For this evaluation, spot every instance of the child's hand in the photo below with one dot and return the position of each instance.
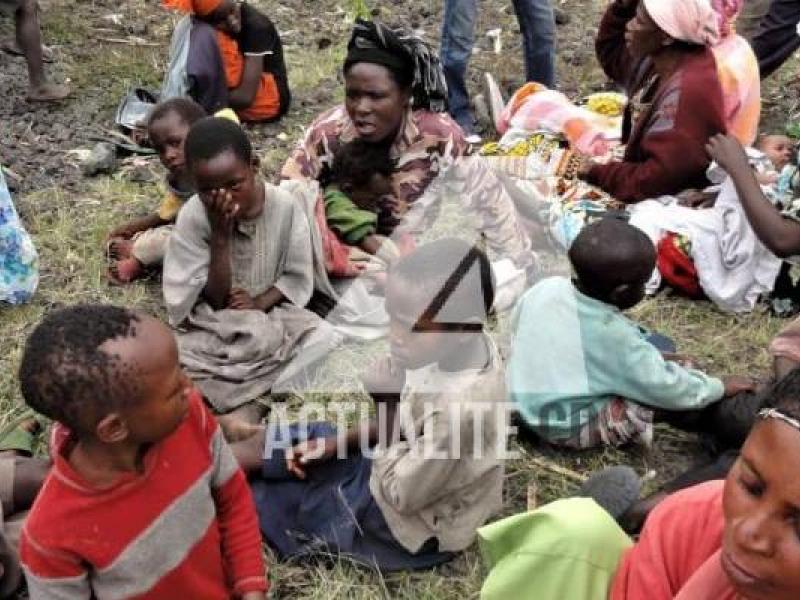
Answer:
(239, 299)
(736, 385)
(728, 153)
(305, 454)
(384, 380)
(221, 210)
(254, 596)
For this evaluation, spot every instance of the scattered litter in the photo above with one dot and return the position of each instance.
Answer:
(102, 160)
(114, 18)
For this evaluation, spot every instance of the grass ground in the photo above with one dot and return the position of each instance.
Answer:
(69, 227)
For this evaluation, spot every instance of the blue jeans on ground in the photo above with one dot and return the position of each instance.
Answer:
(538, 28)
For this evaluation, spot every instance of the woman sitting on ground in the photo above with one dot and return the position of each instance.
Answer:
(721, 540)
(395, 98)
(660, 51)
(235, 59)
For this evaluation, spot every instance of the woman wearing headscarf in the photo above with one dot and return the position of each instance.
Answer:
(235, 59)
(660, 51)
(395, 98)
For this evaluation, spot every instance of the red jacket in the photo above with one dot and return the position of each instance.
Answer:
(665, 152)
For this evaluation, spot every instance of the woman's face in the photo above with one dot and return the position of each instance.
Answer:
(374, 101)
(761, 502)
(642, 36)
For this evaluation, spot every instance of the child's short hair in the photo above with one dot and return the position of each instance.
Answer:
(611, 252)
(454, 281)
(357, 162)
(64, 374)
(186, 108)
(211, 136)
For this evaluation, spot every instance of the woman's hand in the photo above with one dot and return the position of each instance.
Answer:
(728, 154)
(308, 453)
(384, 380)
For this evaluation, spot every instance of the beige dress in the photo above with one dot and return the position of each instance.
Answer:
(235, 356)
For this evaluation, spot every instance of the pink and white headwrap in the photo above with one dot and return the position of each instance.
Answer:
(686, 20)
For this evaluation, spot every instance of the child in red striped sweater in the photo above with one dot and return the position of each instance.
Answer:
(144, 499)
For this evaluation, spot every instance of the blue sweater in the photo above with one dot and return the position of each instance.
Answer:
(572, 354)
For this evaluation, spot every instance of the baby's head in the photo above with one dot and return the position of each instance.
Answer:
(167, 127)
(613, 261)
(219, 157)
(363, 172)
(109, 374)
(761, 502)
(778, 148)
(438, 299)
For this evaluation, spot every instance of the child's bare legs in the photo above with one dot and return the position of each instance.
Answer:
(29, 38)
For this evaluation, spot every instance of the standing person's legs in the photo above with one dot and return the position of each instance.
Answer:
(777, 36)
(29, 39)
(458, 38)
(538, 26)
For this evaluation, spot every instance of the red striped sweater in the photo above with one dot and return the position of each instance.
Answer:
(184, 528)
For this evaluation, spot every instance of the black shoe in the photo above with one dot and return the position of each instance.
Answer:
(615, 489)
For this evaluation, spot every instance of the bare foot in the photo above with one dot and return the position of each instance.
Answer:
(120, 249)
(125, 271)
(48, 92)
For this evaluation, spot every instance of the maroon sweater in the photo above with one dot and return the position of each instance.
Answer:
(665, 152)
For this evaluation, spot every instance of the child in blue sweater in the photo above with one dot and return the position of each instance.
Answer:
(581, 373)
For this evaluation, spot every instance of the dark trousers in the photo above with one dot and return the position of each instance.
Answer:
(724, 425)
(777, 38)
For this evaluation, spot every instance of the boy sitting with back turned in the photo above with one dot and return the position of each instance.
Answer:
(144, 499)
(584, 375)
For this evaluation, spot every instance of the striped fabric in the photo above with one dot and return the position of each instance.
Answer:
(185, 527)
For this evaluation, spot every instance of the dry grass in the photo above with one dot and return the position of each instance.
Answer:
(69, 230)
